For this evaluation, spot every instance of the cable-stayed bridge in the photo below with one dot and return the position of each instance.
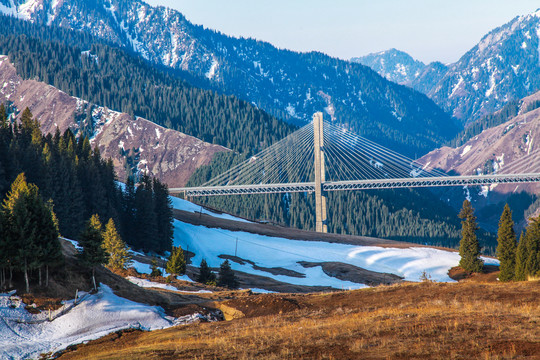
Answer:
(322, 157)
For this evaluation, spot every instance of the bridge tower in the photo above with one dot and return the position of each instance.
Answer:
(320, 198)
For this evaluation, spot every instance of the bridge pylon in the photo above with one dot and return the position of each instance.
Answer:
(320, 198)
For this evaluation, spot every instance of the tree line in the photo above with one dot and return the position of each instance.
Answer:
(519, 261)
(79, 183)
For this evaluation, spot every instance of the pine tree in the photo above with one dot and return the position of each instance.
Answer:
(91, 239)
(118, 251)
(521, 259)
(155, 269)
(206, 276)
(532, 236)
(164, 215)
(145, 217)
(226, 276)
(469, 248)
(506, 248)
(30, 229)
(3, 116)
(176, 265)
(20, 231)
(52, 249)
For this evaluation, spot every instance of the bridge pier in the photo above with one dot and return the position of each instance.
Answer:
(320, 198)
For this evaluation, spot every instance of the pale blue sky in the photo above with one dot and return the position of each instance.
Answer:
(429, 30)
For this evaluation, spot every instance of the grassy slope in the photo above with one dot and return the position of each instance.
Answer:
(423, 320)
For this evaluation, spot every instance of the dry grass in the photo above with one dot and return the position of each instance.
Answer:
(421, 321)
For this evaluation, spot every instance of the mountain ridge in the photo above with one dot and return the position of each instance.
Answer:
(503, 66)
(284, 83)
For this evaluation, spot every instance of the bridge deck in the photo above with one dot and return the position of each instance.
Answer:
(359, 184)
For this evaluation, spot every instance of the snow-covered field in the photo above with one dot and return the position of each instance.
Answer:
(264, 251)
(95, 316)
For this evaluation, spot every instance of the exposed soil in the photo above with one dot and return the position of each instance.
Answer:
(490, 273)
(272, 270)
(353, 273)
(466, 320)
(246, 280)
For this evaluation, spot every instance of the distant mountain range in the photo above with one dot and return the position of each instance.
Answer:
(395, 65)
(503, 66)
(284, 83)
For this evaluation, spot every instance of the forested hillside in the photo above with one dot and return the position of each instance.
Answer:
(80, 183)
(112, 77)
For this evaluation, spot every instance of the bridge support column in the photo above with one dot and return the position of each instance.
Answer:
(320, 199)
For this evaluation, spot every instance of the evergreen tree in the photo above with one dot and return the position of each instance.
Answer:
(469, 248)
(29, 229)
(532, 241)
(506, 248)
(20, 231)
(118, 251)
(164, 215)
(128, 212)
(91, 240)
(52, 253)
(521, 259)
(145, 217)
(176, 265)
(155, 269)
(4, 252)
(206, 276)
(3, 116)
(226, 276)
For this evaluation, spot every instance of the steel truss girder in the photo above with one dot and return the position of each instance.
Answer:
(478, 180)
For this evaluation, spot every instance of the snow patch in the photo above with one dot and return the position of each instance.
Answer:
(499, 163)
(266, 251)
(466, 149)
(212, 71)
(457, 86)
(484, 191)
(150, 284)
(290, 110)
(91, 318)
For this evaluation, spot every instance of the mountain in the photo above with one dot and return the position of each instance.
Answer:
(502, 67)
(285, 83)
(496, 148)
(509, 147)
(170, 155)
(394, 65)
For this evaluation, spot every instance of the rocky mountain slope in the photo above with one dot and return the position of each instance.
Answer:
(503, 66)
(167, 154)
(285, 83)
(511, 147)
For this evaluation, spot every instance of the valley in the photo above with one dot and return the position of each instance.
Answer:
(111, 110)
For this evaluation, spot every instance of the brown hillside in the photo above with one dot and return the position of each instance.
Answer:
(167, 154)
(409, 321)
